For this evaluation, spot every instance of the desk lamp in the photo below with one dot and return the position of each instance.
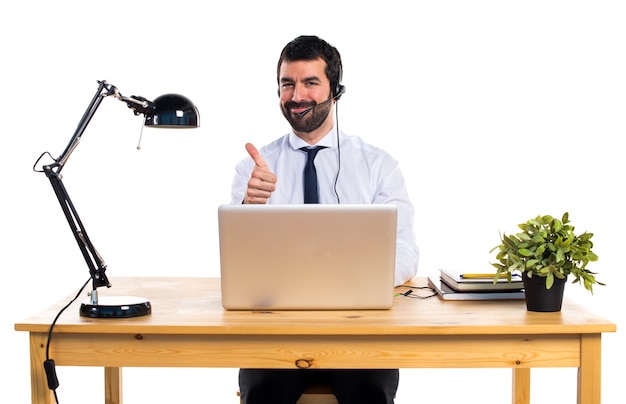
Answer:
(166, 111)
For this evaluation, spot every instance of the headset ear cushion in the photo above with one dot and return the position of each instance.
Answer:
(339, 91)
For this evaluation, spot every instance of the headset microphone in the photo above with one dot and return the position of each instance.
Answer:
(334, 97)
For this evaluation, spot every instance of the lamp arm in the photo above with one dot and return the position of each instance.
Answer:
(139, 105)
(104, 90)
(96, 264)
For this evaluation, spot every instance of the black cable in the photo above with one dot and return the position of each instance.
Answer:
(338, 153)
(48, 364)
(409, 293)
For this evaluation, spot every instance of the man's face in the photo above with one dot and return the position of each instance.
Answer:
(302, 85)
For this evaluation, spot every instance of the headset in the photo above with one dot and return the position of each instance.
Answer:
(338, 88)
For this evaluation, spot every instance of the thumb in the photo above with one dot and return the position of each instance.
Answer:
(255, 155)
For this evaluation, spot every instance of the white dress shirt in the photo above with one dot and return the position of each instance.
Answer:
(364, 174)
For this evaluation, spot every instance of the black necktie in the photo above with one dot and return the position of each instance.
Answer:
(310, 175)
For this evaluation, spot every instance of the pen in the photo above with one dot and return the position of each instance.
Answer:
(470, 276)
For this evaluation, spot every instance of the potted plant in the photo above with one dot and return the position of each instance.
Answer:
(545, 253)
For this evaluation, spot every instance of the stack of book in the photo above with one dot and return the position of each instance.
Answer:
(460, 285)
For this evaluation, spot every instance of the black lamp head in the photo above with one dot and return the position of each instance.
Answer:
(173, 111)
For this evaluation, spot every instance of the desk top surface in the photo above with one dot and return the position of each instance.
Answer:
(193, 306)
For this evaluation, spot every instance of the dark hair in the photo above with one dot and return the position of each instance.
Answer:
(310, 47)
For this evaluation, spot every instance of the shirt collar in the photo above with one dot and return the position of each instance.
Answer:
(329, 140)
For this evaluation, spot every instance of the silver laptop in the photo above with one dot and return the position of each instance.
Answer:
(307, 257)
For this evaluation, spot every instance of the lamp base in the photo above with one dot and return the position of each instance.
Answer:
(116, 307)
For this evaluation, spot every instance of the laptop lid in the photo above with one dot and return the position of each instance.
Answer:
(307, 257)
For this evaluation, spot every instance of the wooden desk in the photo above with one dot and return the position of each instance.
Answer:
(189, 328)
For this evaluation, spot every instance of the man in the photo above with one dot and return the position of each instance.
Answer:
(348, 171)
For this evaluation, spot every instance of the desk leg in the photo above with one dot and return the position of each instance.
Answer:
(40, 393)
(589, 372)
(113, 385)
(521, 386)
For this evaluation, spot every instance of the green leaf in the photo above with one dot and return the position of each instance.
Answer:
(560, 255)
(547, 219)
(531, 263)
(540, 250)
(525, 252)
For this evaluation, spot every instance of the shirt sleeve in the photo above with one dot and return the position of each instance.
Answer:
(240, 181)
(392, 189)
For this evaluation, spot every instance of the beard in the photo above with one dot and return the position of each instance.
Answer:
(311, 120)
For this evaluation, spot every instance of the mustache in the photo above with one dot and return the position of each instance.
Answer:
(292, 104)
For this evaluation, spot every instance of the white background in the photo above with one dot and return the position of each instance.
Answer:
(497, 111)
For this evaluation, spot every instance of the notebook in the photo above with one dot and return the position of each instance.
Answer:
(307, 257)
(445, 292)
(471, 281)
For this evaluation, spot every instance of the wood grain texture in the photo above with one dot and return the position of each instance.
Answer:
(193, 306)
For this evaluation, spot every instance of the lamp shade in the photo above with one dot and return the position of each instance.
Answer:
(173, 111)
